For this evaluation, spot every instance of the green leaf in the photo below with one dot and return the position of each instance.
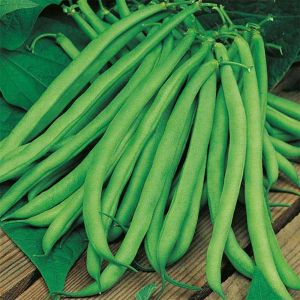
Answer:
(8, 6)
(16, 26)
(282, 31)
(55, 267)
(260, 289)
(146, 292)
(29, 74)
(9, 117)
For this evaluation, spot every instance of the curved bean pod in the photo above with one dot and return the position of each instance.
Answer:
(254, 188)
(233, 174)
(75, 76)
(287, 150)
(288, 107)
(283, 122)
(109, 142)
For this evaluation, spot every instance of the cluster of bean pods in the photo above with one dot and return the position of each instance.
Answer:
(154, 118)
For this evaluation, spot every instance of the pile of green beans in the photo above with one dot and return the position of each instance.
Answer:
(153, 119)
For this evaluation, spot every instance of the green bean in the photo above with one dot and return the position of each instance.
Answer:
(283, 122)
(140, 172)
(287, 274)
(110, 140)
(96, 22)
(164, 98)
(107, 14)
(84, 137)
(254, 188)
(287, 150)
(152, 236)
(67, 45)
(280, 134)
(233, 174)
(121, 173)
(123, 8)
(88, 30)
(76, 75)
(189, 226)
(63, 41)
(45, 218)
(138, 178)
(47, 182)
(215, 176)
(269, 158)
(107, 98)
(260, 64)
(287, 107)
(93, 263)
(194, 162)
(63, 221)
(112, 273)
(57, 131)
(168, 46)
(286, 167)
(89, 98)
(157, 176)
(68, 185)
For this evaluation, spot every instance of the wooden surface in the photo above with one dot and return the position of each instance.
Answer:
(20, 280)
(236, 286)
(17, 273)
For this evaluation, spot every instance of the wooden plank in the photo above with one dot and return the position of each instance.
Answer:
(16, 270)
(236, 286)
(190, 269)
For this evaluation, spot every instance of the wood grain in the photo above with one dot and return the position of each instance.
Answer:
(190, 269)
(236, 286)
(16, 270)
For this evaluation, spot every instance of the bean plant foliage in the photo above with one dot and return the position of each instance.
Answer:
(260, 289)
(25, 75)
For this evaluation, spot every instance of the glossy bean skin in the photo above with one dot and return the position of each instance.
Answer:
(45, 218)
(189, 226)
(93, 19)
(68, 185)
(287, 168)
(283, 122)
(168, 92)
(90, 100)
(113, 272)
(260, 64)
(123, 170)
(285, 149)
(233, 172)
(287, 107)
(269, 159)
(93, 260)
(109, 142)
(254, 189)
(47, 182)
(152, 236)
(160, 168)
(62, 222)
(193, 165)
(216, 162)
(73, 180)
